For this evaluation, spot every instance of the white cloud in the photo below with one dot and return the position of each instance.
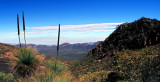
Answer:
(82, 28)
(45, 27)
(69, 33)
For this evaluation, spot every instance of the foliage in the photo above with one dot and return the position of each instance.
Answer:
(101, 76)
(90, 65)
(57, 67)
(55, 72)
(94, 77)
(7, 77)
(123, 52)
(140, 64)
(48, 77)
(53, 77)
(114, 77)
(132, 65)
(26, 62)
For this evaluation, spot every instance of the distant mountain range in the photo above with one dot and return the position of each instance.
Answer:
(67, 51)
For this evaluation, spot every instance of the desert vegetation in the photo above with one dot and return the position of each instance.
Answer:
(25, 62)
(28, 66)
(7, 77)
(131, 53)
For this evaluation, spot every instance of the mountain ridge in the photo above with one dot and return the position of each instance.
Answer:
(142, 34)
(135, 35)
(67, 51)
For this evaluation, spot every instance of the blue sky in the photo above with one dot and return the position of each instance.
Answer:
(81, 20)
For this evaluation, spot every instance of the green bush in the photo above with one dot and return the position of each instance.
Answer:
(7, 77)
(56, 67)
(55, 72)
(25, 62)
(48, 77)
(94, 77)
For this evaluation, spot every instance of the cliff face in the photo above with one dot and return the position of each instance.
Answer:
(135, 35)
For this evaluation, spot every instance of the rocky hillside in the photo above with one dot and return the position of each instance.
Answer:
(135, 35)
(5, 53)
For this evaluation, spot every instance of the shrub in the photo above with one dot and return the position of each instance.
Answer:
(114, 77)
(142, 65)
(55, 72)
(56, 67)
(94, 77)
(7, 77)
(25, 62)
(48, 77)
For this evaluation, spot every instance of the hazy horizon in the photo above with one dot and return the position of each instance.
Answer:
(91, 43)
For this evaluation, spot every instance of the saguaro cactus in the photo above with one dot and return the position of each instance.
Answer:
(24, 30)
(18, 30)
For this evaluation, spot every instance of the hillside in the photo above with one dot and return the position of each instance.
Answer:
(67, 51)
(5, 53)
(14, 64)
(135, 35)
(141, 65)
(128, 36)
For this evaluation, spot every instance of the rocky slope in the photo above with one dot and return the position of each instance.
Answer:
(5, 53)
(135, 35)
(142, 33)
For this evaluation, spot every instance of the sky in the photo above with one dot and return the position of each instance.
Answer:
(81, 20)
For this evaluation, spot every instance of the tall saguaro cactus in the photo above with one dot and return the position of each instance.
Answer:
(58, 43)
(18, 30)
(24, 30)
